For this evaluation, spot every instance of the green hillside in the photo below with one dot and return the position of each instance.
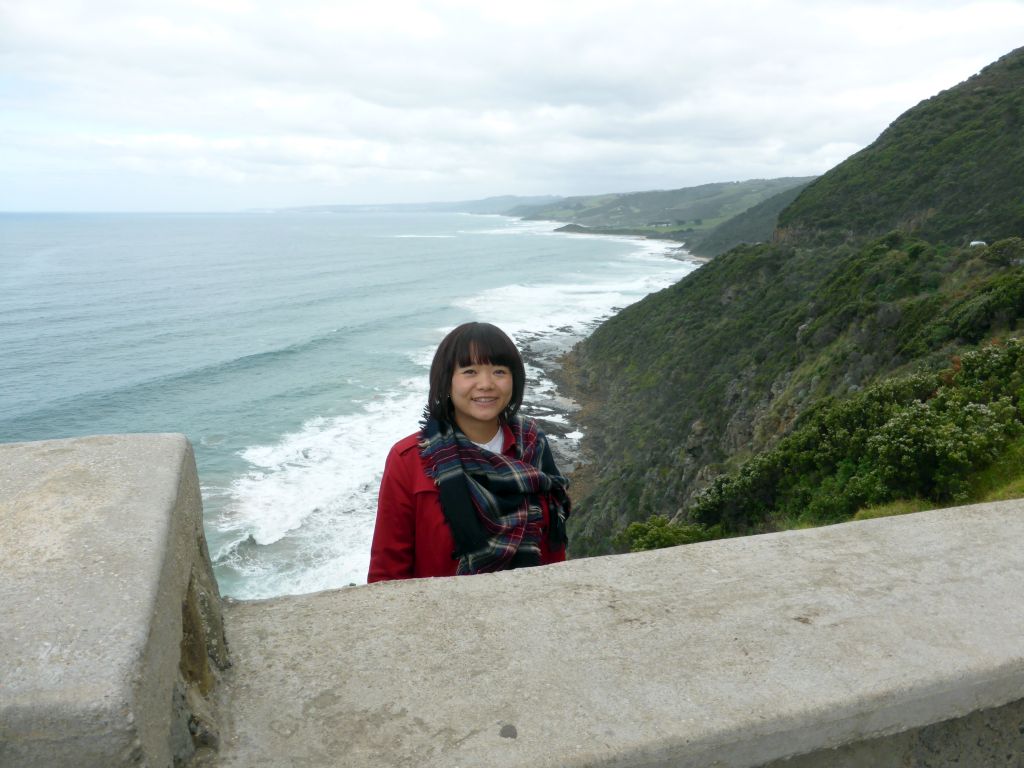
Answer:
(731, 379)
(681, 214)
(949, 170)
(754, 225)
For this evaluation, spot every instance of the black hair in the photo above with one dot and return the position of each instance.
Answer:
(472, 344)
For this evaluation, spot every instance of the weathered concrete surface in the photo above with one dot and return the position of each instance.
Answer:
(991, 738)
(101, 556)
(729, 653)
(890, 642)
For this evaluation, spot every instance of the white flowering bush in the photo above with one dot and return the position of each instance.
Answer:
(929, 448)
(916, 436)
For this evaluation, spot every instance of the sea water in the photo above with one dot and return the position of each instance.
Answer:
(291, 348)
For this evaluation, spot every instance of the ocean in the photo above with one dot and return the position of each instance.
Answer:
(291, 348)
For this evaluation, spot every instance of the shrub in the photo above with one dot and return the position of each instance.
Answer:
(657, 532)
(919, 436)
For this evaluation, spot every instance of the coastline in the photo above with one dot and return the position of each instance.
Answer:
(553, 397)
(554, 411)
(674, 253)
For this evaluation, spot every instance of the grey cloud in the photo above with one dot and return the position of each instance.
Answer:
(386, 101)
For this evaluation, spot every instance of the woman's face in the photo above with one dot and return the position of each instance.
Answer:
(479, 394)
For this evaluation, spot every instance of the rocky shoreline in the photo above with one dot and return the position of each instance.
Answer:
(553, 396)
(546, 400)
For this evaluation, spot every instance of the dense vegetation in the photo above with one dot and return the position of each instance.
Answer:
(950, 169)
(921, 436)
(754, 225)
(741, 378)
(688, 215)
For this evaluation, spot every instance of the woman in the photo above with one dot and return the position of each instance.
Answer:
(476, 490)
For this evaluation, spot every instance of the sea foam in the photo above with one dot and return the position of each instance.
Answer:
(301, 518)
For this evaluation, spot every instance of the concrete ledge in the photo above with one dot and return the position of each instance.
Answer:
(989, 738)
(730, 653)
(110, 612)
(890, 642)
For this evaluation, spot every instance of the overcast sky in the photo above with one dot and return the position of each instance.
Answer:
(189, 105)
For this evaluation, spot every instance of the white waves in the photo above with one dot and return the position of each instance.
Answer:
(301, 519)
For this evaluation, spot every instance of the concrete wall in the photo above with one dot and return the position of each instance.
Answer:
(989, 738)
(728, 653)
(894, 642)
(109, 615)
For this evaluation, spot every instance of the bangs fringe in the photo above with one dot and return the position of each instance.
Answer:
(482, 348)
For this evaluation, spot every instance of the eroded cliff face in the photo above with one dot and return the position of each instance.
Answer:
(610, 493)
(676, 388)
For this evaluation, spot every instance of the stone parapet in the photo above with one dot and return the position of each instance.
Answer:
(109, 614)
(876, 644)
(890, 642)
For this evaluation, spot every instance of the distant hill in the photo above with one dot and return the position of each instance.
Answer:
(686, 214)
(761, 378)
(500, 205)
(754, 225)
(709, 219)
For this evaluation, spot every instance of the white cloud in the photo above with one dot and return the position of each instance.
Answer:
(316, 102)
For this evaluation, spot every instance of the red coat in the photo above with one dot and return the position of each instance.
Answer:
(412, 539)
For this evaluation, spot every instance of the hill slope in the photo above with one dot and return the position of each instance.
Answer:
(691, 382)
(684, 214)
(754, 225)
(948, 170)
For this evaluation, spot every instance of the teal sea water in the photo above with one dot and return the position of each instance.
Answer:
(291, 348)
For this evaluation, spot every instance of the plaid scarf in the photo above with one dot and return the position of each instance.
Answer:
(492, 501)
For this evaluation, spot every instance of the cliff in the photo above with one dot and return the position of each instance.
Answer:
(692, 382)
